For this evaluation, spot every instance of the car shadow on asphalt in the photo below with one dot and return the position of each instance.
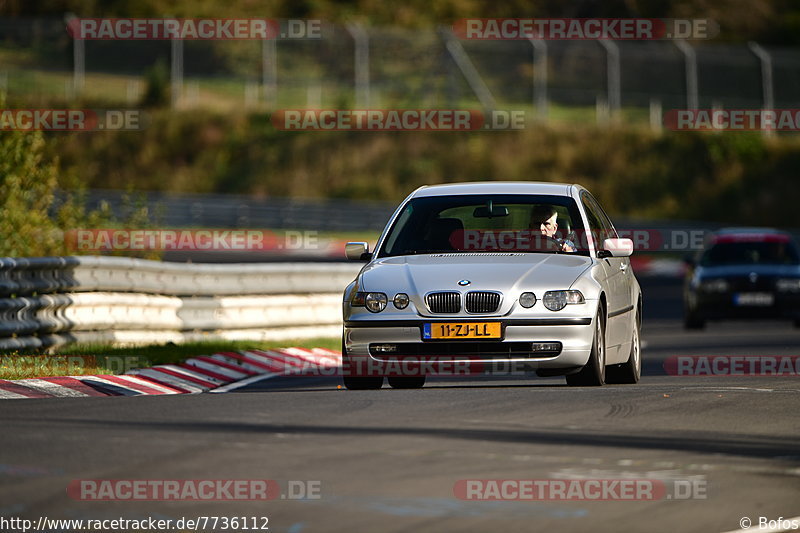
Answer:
(706, 442)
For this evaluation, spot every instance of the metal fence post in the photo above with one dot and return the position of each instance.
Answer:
(269, 71)
(540, 78)
(614, 89)
(692, 96)
(176, 73)
(361, 43)
(656, 117)
(466, 67)
(78, 59)
(767, 90)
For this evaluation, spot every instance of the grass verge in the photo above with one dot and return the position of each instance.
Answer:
(88, 359)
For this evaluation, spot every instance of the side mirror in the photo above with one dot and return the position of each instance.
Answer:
(616, 248)
(357, 251)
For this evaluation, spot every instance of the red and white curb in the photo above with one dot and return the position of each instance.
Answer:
(220, 372)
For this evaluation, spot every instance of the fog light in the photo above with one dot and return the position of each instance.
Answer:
(527, 300)
(385, 348)
(400, 300)
(546, 347)
(715, 285)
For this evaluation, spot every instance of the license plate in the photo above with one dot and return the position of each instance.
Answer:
(754, 298)
(461, 330)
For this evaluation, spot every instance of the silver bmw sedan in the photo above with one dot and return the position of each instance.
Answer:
(471, 277)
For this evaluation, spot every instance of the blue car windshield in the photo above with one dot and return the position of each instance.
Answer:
(486, 223)
(778, 252)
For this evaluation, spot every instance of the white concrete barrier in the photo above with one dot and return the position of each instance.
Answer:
(55, 300)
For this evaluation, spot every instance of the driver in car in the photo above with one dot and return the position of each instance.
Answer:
(545, 219)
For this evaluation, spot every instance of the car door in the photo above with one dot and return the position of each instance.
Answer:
(616, 270)
(627, 284)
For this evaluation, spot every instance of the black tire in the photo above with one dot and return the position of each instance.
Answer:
(416, 382)
(362, 383)
(630, 371)
(692, 322)
(359, 382)
(593, 374)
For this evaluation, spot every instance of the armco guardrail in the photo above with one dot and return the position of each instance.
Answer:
(47, 301)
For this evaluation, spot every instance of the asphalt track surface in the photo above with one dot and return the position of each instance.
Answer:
(389, 460)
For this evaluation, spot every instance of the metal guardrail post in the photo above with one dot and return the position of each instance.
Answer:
(690, 57)
(540, 78)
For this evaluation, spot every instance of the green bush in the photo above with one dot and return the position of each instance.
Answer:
(32, 222)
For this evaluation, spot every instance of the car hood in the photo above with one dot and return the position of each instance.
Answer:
(506, 272)
(746, 270)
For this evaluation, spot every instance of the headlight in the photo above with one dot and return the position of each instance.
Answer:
(375, 302)
(788, 285)
(558, 300)
(527, 300)
(714, 285)
(400, 300)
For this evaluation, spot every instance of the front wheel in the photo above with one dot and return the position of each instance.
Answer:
(692, 322)
(416, 382)
(630, 371)
(690, 318)
(593, 374)
(357, 382)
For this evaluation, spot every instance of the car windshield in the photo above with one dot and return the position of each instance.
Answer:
(778, 252)
(485, 223)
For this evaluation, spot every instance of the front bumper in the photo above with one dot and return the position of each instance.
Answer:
(574, 334)
(723, 305)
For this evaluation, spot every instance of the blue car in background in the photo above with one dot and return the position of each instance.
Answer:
(744, 273)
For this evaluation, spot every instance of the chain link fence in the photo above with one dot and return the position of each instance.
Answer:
(361, 67)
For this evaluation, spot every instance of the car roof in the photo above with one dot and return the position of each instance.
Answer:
(496, 187)
(727, 235)
(750, 231)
